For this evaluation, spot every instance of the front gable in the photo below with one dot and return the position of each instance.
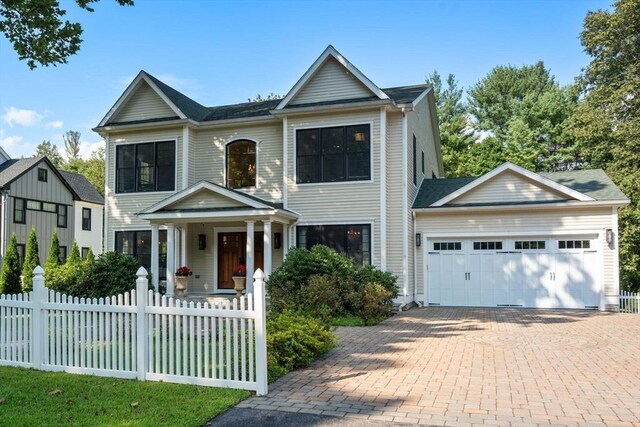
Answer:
(331, 78)
(144, 104)
(205, 199)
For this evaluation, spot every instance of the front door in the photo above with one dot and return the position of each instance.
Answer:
(232, 248)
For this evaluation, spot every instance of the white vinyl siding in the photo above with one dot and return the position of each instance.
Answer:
(208, 148)
(420, 123)
(344, 202)
(530, 222)
(508, 187)
(145, 104)
(331, 82)
(123, 207)
(394, 194)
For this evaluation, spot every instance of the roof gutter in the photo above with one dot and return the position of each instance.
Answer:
(573, 204)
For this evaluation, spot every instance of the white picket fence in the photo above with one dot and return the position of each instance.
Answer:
(140, 334)
(629, 302)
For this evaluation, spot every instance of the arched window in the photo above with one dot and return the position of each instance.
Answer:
(241, 164)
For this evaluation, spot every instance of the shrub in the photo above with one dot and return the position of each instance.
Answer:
(113, 273)
(10, 282)
(294, 341)
(326, 284)
(31, 261)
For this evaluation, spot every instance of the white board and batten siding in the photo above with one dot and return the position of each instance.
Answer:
(331, 82)
(550, 225)
(207, 154)
(122, 207)
(353, 202)
(144, 105)
(52, 191)
(138, 334)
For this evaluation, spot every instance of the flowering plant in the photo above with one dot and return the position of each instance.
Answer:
(240, 270)
(184, 271)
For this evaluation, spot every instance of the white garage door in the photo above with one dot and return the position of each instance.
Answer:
(539, 272)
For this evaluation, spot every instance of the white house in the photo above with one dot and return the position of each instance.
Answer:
(342, 162)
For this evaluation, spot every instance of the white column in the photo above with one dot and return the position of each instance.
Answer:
(171, 259)
(155, 246)
(183, 245)
(285, 240)
(249, 262)
(267, 248)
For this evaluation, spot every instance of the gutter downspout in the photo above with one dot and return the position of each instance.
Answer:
(3, 224)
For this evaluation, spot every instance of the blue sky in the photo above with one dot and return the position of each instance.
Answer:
(223, 52)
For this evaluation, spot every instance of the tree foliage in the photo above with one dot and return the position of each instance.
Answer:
(31, 261)
(456, 134)
(72, 145)
(607, 121)
(10, 282)
(38, 31)
(46, 148)
(271, 97)
(53, 257)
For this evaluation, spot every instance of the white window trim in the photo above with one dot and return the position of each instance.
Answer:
(331, 124)
(257, 142)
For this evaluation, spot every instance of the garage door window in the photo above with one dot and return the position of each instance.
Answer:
(487, 246)
(530, 244)
(574, 244)
(447, 246)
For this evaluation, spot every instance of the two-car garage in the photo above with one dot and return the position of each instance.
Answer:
(514, 238)
(531, 271)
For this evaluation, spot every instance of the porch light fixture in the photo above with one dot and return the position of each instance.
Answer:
(609, 236)
(418, 239)
(277, 240)
(202, 241)
(359, 136)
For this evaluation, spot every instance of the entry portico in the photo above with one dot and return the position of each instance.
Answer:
(212, 228)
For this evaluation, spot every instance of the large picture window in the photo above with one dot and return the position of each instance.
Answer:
(352, 240)
(333, 154)
(145, 167)
(241, 164)
(138, 245)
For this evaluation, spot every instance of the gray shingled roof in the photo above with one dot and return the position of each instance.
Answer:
(199, 113)
(13, 168)
(81, 185)
(591, 182)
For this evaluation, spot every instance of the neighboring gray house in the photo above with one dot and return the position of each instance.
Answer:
(34, 193)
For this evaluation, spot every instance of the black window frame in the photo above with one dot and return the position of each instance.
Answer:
(159, 167)
(62, 215)
(21, 249)
(64, 253)
(84, 251)
(228, 180)
(415, 160)
(447, 246)
(422, 162)
(323, 236)
(339, 158)
(86, 222)
(533, 245)
(43, 175)
(141, 257)
(16, 202)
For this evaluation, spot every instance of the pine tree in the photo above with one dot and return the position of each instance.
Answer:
(53, 258)
(90, 259)
(74, 256)
(31, 261)
(10, 276)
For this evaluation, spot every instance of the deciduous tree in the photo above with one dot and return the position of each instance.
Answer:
(46, 148)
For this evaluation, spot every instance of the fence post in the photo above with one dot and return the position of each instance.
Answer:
(261, 333)
(142, 290)
(38, 327)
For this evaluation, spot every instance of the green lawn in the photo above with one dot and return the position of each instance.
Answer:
(29, 397)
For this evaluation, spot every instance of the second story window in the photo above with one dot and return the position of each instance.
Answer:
(19, 214)
(42, 175)
(145, 167)
(86, 219)
(241, 164)
(62, 216)
(333, 154)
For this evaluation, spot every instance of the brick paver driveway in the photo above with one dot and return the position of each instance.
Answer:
(454, 366)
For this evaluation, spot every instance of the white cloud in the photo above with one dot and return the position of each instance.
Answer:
(8, 142)
(56, 124)
(21, 117)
